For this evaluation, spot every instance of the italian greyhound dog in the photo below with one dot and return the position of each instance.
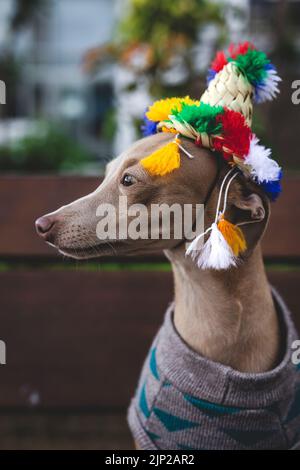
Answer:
(225, 323)
(216, 312)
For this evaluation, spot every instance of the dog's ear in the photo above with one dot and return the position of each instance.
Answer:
(249, 207)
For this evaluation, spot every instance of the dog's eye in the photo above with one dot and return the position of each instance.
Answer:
(128, 180)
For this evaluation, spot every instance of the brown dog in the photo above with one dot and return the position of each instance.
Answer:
(227, 316)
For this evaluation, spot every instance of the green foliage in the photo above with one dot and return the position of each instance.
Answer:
(202, 118)
(89, 266)
(165, 29)
(47, 150)
(109, 124)
(152, 35)
(150, 21)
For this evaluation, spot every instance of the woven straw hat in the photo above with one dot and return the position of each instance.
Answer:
(230, 88)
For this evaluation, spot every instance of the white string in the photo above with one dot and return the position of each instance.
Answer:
(223, 182)
(204, 233)
(188, 154)
(248, 222)
(220, 192)
(226, 192)
(219, 202)
(221, 188)
(225, 203)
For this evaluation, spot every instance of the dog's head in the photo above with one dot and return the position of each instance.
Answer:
(73, 229)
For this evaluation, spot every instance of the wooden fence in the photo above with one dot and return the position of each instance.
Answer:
(76, 338)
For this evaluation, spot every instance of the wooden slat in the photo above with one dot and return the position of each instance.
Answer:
(65, 430)
(283, 233)
(83, 345)
(23, 199)
(287, 283)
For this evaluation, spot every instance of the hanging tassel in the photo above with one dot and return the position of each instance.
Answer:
(196, 245)
(164, 160)
(233, 235)
(215, 254)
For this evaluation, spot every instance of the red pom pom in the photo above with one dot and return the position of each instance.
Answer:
(219, 61)
(236, 134)
(240, 49)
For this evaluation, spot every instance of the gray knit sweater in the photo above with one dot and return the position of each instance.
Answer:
(185, 401)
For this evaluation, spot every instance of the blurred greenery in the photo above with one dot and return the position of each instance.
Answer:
(109, 266)
(151, 35)
(47, 149)
(70, 265)
(155, 22)
(109, 124)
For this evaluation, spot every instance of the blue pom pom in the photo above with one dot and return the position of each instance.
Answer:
(269, 66)
(211, 75)
(272, 188)
(148, 127)
(258, 87)
(267, 88)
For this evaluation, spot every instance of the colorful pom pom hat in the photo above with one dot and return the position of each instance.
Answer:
(221, 121)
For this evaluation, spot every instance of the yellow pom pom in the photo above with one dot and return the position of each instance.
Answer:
(163, 160)
(169, 129)
(161, 109)
(233, 235)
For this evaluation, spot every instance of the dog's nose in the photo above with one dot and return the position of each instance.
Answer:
(44, 226)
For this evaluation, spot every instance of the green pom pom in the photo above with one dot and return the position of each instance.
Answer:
(201, 117)
(252, 64)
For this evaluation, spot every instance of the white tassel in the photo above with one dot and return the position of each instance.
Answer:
(269, 88)
(263, 168)
(215, 254)
(196, 245)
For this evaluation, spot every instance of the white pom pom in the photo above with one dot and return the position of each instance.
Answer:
(215, 253)
(263, 168)
(269, 88)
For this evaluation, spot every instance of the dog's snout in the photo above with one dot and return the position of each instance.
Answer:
(44, 226)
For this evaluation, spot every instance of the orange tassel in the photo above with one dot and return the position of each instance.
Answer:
(164, 160)
(233, 235)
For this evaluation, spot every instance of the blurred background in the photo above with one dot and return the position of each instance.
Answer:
(78, 76)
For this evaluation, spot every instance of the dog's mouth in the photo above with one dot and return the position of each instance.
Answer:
(104, 248)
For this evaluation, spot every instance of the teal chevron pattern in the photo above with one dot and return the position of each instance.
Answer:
(173, 423)
(152, 435)
(167, 384)
(153, 364)
(248, 438)
(143, 402)
(212, 410)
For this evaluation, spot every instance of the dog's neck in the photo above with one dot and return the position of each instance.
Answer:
(227, 316)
